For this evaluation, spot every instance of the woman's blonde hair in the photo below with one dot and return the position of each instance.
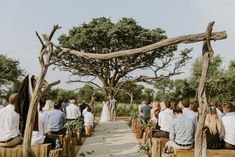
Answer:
(212, 121)
(49, 105)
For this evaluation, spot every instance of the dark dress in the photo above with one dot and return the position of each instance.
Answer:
(213, 140)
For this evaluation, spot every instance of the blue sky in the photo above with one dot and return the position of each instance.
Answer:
(20, 19)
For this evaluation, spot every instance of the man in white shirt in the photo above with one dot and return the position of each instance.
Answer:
(164, 121)
(228, 122)
(88, 122)
(9, 122)
(72, 111)
(184, 105)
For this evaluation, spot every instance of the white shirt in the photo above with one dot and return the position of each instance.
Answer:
(88, 119)
(190, 114)
(9, 123)
(84, 111)
(219, 113)
(43, 122)
(38, 137)
(72, 111)
(228, 122)
(1, 106)
(165, 118)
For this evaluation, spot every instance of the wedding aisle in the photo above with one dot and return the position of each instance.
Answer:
(110, 139)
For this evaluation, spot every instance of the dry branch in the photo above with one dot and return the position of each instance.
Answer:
(191, 38)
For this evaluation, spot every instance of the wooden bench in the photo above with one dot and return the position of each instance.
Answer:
(210, 153)
(158, 145)
(39, 150)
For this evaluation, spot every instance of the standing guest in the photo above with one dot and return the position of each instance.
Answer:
(88, 122)
(56, 120)
(140, 108)
(228, 122)
(9, 120)
(181, 131)
(164, 121)
(1, 105)
(214, 129)
(146, 111)
(113, 106)
(73, 111)
(184, 105)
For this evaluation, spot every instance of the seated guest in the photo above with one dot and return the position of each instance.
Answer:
(72, 111)
(214, 129)
(40, 137)
(184, 105)
(173, 104)
(83, 106)
(215, 104)
(228, 122)
(9, 121)
(85, 110)
(164, 121)
(56, 120)
(146, 111)
(181, 131)
(88, 122)
(155, 112)
(194, 107)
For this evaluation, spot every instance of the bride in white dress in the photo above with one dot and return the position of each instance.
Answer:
(105, 114)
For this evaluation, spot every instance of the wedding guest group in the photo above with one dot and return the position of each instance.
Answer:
(50, 121)
(178, 122)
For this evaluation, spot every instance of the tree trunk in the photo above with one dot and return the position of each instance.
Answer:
(207, 52)
(27, 151)
(41, 87)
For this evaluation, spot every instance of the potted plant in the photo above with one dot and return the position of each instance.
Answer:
(133, 120)
(69, 125)
(144, 148)
(147, 127)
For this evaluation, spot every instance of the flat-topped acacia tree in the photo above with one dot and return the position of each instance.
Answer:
(101, 36)
(45, 61)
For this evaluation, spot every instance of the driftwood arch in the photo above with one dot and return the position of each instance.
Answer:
(45, 61)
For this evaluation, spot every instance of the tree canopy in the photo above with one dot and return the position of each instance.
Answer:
(102, 36)
(10, 73)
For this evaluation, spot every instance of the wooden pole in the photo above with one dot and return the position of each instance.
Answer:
(207, 53)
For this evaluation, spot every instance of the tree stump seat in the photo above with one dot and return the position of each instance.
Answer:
(69, 146)
(41, 150)
(158, 145)
(210, 153)
(56, 153)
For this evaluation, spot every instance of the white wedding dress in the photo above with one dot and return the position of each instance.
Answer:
(105, 114)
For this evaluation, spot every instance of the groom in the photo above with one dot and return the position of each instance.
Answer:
(113, 106)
